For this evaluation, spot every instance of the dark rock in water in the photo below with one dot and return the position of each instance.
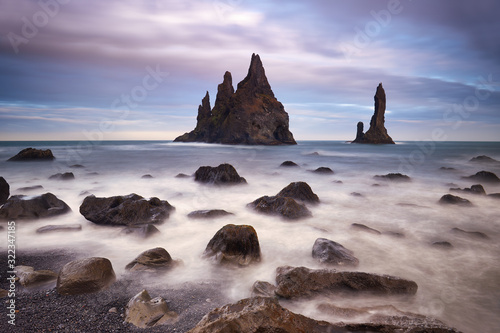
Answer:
(314, 154)
(471, 234)
(30, 188)
(141, 230)
(224, 174)
(356, 194)
(182, 175)
(63, 176)
(483, 159)
(157, 259)
(338, 182)
(148, 176)
(145, 312)
(263, 288)
(32, 154)
(296, 282)
(362, 227)
(442, 244)
(76, 166)
(234, 244)
(395, 177)
(330, 252)
(289, 164)
(252, 115)
(474, 189)
(324, 171)
(59, 228)
(208, 214)
(4, 191)
(494, 195)
(377, 133)
(449, 199)
(447, 169)
(84, 276)
(125, 210)
(28, 277)
(299, 191)
(394, 234)
(260, 315)
(284, 206)
(20, 207)
(484, 176)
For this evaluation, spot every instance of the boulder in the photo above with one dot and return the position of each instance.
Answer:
(182, 175)
(32, 154)
(483, 159)
(224, 174)
(20, 207)
(263, 288)
(234, 244)
(28, 277)
(470, 234)
(330, 252)
(63, 176)
(299, 191)
(377, 133)
(84, 276)
(395, 177)
(125, 210)
(4, 191)
(449, 199)
(148, 176)
(296, 282)
(362, 227)
(260, 315)
(324, 171)
(285, 207)
(474, 189)
(252, 115)
(208, 214)
(289, 164)
(30, 188)
(141, 230)
(153, 260)
(143, 311)
(484, 176)
(58, 228)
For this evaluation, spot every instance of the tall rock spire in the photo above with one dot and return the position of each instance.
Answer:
(377, 134)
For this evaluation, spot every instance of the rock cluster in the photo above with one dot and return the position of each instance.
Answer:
(377, 133)
(252, 115)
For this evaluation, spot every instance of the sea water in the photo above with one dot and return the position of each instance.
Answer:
(460, 286)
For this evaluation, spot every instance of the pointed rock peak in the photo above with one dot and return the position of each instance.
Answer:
(204, 110)
(256, 78)
(380, 91)
(205, 102)
(224, 90)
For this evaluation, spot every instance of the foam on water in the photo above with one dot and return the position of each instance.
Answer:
(458, 286)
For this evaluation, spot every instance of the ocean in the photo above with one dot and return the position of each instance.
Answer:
(459, 286)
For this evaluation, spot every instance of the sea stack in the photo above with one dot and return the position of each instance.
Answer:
(377, 134)
(251, 116)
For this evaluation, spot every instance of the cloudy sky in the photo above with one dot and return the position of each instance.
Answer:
(138, 69)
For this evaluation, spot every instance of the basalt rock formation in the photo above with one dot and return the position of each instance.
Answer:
(377, 134)
(252, 115)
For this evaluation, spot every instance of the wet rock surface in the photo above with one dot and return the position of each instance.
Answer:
(208, 214)
(141, 230)
(449, 199)
(323, 171)
(474, 189)
(32, 154)
(329, 252)
(157, 259)
(143, 311)
(59, 228)
(224, 174)
(20, 207)
(285, 207)
(395, 177)
(485, 176)
(87, 275)
(289, 164)
(4, 191)
(28, 277)
(365, 228)
(63, 176)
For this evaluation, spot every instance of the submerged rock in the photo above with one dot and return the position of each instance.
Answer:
(58, 228)
(143, 311)
(28, 277)
(224, 174)
(208, 214)
(63, 176)
(182, 175)
(474, 189)
(285, 207)
(4, 191)
(449, 199)
(125, 210)
(252, 115)
(296, 282)
(324, 171)
(84, 276)
(263, 288)
(234, 244)
(147, 176)
(330, 252)
(30, 188)
(157, 259)
(20, 207)
(289, 164)
(484, 176)
(442, 244)
(362, 227)
(141, 230)
(470, 234)
(395, 177)
(377, 133)
(32, 154)
(483, 159)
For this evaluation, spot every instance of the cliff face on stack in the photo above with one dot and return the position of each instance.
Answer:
(377, 133)
(251, 115)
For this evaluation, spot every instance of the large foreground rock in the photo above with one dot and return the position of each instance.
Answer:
(224, 174)
(125, 210)
(143, 311)
(85, 276)
(304, 282)
(234, 244)
(252, 115)
(4, 191)
(157, 259)
(377, 134)
(21, 207)
(330, 252)
(32, 154)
